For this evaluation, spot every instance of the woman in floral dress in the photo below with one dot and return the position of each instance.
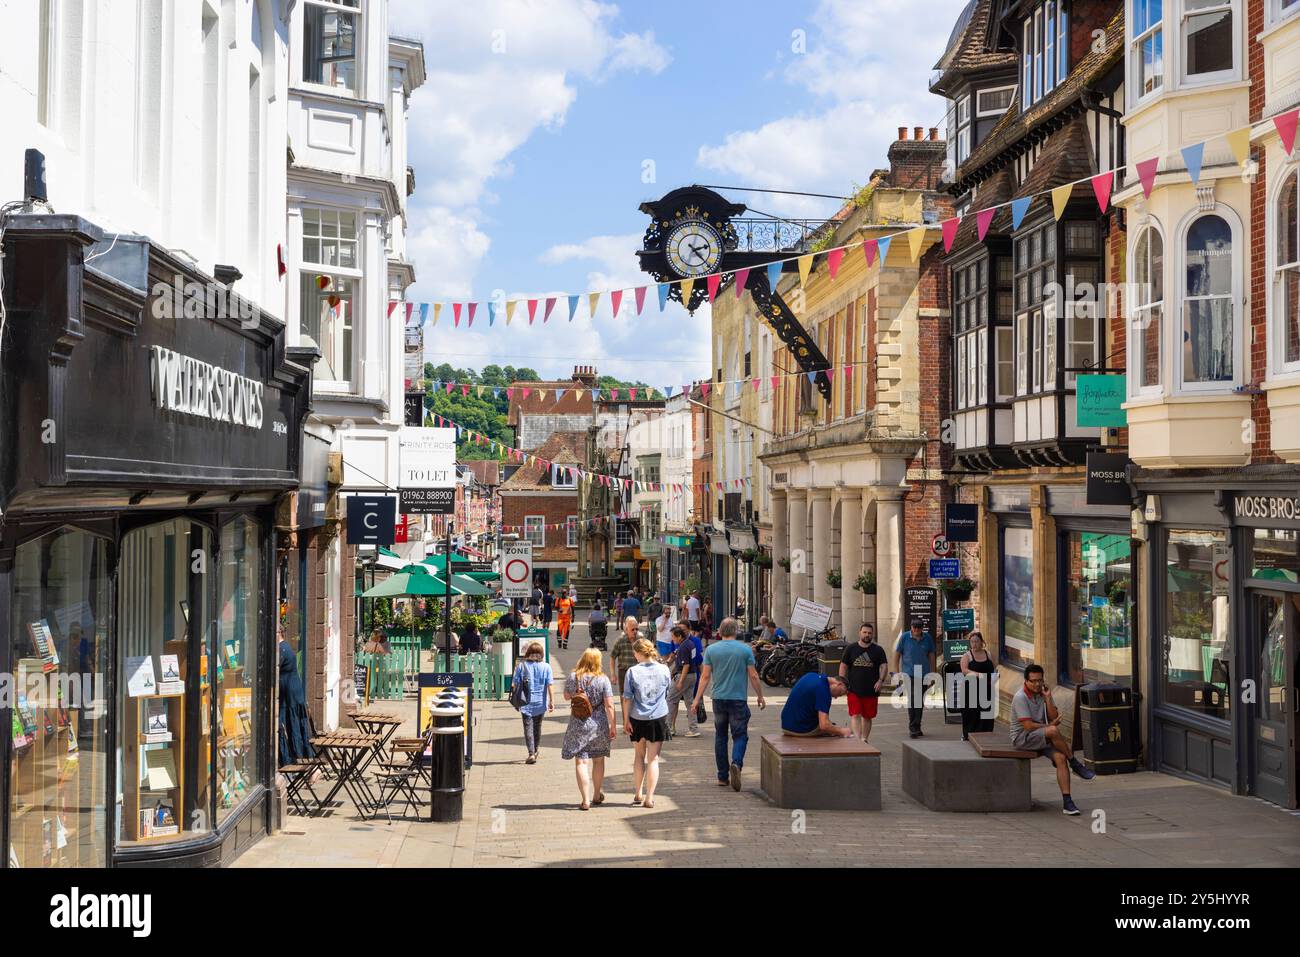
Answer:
(588, 741)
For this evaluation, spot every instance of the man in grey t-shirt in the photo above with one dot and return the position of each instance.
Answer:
(1036, 726)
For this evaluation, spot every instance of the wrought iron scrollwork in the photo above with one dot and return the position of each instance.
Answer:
(778, 315)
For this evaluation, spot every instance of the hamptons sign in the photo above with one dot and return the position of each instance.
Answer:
(190, 386)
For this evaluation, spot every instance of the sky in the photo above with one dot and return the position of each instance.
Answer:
(544, 124)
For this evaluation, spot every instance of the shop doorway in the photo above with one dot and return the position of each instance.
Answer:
(1273, 738)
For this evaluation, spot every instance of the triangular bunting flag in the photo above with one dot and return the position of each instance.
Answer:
(478, 392)
(447, 387)
(870, 249)
(812, 377)
(773, 275)
(688, 286)
(1061, 196)
(510, 309)
(1239, 143)
(915, 237)
(1193, 157)
(550, 304)
(711, 284)
(424, 313)
(755, 382)
(883, 245)
(559, 394)
(704, 389)
(1147, 174)
(1018, 209)
(492, 314)
(464, 390)
(776, 381)
(1102, 184)
(510, 394)
(663, 295)
(391, 307)
(632, 393)
(578, 393)
(437, 308)
(833, 260)
(472, 307)
(950, 227)
(532, 310)
(496, 393)
(455, 312)
(742, 277)
(1286, 127)
(668, 392)
(639, 295)
(573, 306)
(805, 267)
(616, 300)
(593, 302)
(983, 219)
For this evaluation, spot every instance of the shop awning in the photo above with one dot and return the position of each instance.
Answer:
(679, 541)
(418, 580)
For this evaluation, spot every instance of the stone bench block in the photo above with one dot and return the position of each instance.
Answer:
(951, 776)
(826, 774)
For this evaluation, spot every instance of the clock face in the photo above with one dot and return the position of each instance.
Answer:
(693, 249)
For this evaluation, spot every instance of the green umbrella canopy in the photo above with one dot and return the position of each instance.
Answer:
(439, 562)
(416, 581)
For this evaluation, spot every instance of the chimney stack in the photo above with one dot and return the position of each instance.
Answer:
(902, 132)
(918, 133)
(934, 133)
(916, 162)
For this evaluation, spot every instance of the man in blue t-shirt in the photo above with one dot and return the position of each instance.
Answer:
(729, 668)
(632, 606)
(914, 660)
(807, 712)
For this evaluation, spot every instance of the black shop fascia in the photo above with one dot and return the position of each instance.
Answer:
(151, 421)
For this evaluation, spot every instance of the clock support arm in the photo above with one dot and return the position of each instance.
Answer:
(778, 315)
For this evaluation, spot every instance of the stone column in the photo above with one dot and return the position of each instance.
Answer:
(890, 572)
(822, 562)
(781, 601)
(850, 562)
(797, 508)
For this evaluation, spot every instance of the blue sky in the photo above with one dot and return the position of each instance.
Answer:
(530, 138)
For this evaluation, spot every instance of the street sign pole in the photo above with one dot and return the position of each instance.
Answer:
(446, 605)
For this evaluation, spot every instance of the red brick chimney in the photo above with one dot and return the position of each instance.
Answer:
(916, 163)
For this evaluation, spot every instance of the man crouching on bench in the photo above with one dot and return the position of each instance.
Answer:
(1036, 726)
(807, 712)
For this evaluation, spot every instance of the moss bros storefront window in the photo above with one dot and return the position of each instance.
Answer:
(134, 554)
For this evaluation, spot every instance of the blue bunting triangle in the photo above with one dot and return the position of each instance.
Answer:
(668, 391)
(496, 393)
(573, 306)
(812, 377)
(559, 394)
(663, 295)
(1192, 156)
(1018, 209)
(883, 245)
(773, 275)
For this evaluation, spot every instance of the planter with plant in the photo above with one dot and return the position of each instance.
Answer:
(866, 582)
(764, 560)
(833, 578)
(784, 563)
(749, 554)
(959, 589)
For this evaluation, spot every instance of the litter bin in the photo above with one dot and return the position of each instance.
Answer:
(448, 773)
(951, 713)
(1106, 723)
(832, 654)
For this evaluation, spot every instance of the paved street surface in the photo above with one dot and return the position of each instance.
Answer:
(527, 815)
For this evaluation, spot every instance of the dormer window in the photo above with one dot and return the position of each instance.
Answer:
(1045, 53)
(563, 476)
(963, 129)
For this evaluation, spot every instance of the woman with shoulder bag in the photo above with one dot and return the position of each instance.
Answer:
(591, 729)
(537, 674)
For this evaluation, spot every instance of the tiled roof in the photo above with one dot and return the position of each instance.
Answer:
(563, 448)
(999, 189)
(547, 403)
(486, 471)
(1000, 145)
(1066, 157)
(968, 50)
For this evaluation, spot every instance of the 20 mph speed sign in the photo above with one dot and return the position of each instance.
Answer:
(516, 569)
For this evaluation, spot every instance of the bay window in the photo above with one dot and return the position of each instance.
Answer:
(1207, 38)
(1035, 270)
(1209, 312)
(1147, 267)
(1286, 279)
(330, 291)
(1279, 10)
(330, 31)
(1147, 46)
(1045, 50)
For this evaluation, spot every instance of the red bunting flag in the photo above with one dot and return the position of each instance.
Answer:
(472, 307)
(949, 228)
(550, 304)
(532, 310)
(776, 380)
(704, 389)
(712, 283)
(632, 392)
(742, 277)
(870, 248)
(616, 299)
(639, 295)
(984, 219)
(1101, 187)
(1286, 129)
(833, 260)
(464, 390)
(510, 394)
(455, 313)
(1147, 174)
(391, 307)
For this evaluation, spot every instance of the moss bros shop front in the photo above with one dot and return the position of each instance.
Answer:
(1224, 571)
(150, 422)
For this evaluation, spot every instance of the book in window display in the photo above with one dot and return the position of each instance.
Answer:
(153, 786)
(43, 644)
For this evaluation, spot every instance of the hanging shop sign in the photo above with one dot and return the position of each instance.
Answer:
(1221, 570)
(372, 519)
(1107, 479)
(414, 414)
(961, 522)
(1099, 401)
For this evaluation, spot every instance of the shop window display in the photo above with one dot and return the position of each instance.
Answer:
(59, 631)
(1098, 634)
(237, 662)
(1196, 650)
(1017, 595)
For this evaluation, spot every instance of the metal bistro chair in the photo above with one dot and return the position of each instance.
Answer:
(395, 777)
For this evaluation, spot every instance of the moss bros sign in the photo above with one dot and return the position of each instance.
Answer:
(191, 386)
(1266, 509)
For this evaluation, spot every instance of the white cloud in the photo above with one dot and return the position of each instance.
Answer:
(866, 70)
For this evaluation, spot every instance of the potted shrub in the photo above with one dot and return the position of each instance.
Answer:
(959, 589)
(833, 578)
(748, 555)
(866, 583)
(784, 563)
(764, 560)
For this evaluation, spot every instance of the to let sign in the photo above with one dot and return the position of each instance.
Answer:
(428, 501)
(427, 457)
(1098, 401)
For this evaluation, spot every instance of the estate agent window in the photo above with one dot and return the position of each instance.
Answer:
(1017, 595)
(1196, 654)
(1097, 640)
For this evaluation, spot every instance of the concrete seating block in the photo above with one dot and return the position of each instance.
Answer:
(827, 774)
(991, 744)
(951, 776)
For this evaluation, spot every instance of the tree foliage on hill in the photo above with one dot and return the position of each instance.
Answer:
(486, 413)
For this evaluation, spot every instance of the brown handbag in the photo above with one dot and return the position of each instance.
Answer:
(580, 704)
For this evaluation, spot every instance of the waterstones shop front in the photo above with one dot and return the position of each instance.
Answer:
(149, 424)
(1224, 571)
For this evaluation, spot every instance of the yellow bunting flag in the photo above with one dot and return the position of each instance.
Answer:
(593, 300)
(805, 267)
(915, 237)
(1239, 143)
(437, 308)
(687, 286)
(1061, 196)
(510, 309)
(479, 392)
(579, 393)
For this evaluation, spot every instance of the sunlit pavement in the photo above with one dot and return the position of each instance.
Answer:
(518, 814)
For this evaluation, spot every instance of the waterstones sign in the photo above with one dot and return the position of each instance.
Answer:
(190, 386)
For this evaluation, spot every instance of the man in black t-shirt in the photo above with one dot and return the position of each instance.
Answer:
(864, 668)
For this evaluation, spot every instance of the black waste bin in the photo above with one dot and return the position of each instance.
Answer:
(448, 773)
(1106, 723)
(951, 698)
(832, 654)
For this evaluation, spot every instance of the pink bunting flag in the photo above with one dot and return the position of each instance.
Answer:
(704, 389)
(848, 371)
(984, 219)
(830, 374)
(833, 260)
(532, 310)
(639, 295)
(391, 307)
(410, 307)
(550, 304)
(755, 382)
(712, 283)
(510, 394)
(616, 298)
(742, 277)
(447, 387)
(526, 391)
(949, 227)
(1101, 187)
(870, 248)
(1147, 174)
(776, 380)
(1286, 128)
(464, 390)
(455, 312)
(632, 392)
(472, 307)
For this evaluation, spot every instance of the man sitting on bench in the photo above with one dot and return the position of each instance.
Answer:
(1036, 726)
(807, 712)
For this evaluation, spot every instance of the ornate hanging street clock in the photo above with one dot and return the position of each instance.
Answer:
(691, 235)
